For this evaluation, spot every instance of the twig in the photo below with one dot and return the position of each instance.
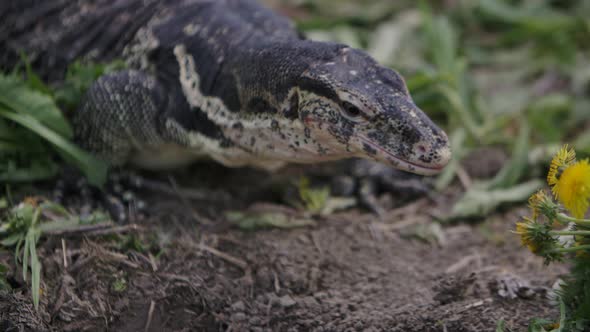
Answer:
(462, 263)
(228, 258)
(80, 263)
(150, 316)
(98, 229)
(153, 262)
(102, 253)
(403, 223)
(277, 284)
(117, 229)
(123, 259)
(78, 229)
(63, 250)
(175, 277)
(475, 304)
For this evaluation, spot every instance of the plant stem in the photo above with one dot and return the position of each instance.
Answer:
(571, 249)
(565, 218)
(569, 232)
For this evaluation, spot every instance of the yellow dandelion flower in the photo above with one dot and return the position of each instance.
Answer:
(526, 231)
(565, 157)
(572, 188)
(541, 204)
(534, 203)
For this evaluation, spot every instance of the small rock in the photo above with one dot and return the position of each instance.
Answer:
(255, 321)
(238, 306)
(239, 317)
(287, 301)
(272, 299)
(309, 302)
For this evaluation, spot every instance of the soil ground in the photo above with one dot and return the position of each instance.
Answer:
(350, 271)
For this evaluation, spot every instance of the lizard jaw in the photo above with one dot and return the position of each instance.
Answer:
(387, 157)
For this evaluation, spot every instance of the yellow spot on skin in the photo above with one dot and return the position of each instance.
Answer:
(572, 188)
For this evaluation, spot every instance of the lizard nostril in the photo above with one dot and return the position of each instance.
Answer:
(422, 148)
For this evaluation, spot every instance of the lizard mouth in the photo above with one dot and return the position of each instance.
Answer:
(403, 164)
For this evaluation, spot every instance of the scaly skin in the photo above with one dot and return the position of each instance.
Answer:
(233, 81)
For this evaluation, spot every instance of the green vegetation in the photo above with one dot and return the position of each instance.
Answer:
(314, 199)
(556, 235)
(22, 227)
(119, 285)
(33, 129)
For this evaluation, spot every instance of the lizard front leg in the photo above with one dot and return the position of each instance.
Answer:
(122, 120)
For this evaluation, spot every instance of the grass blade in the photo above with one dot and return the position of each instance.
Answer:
(17, 96)
(35, 268)
(26, 257)
(92, 167)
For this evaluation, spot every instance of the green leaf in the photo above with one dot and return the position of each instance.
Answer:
(457, 139)
(25, 258)
(36, 283)
(38, 170)
(11, 240)
(16, 96)
(477, 202)
(55, 208)
(119, 285)
(512, 171)
(562, 316)
(35, 269)
(59, 225)
(540, 18)
(35, 266)
(256, 220)
(548, 116)
(24, 212)
(94, 169)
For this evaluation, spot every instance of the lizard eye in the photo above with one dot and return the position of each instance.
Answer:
(352, 112)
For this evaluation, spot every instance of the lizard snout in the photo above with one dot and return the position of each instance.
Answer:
(435, 153)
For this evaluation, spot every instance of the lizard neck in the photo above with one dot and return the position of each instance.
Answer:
(267, 124)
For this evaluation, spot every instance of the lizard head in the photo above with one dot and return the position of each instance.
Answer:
(358, 108)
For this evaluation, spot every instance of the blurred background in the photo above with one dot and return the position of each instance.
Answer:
(509, 80)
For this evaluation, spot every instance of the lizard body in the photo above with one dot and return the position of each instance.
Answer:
(231, 80)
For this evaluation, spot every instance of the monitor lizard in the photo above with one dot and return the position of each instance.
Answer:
(226, 79)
